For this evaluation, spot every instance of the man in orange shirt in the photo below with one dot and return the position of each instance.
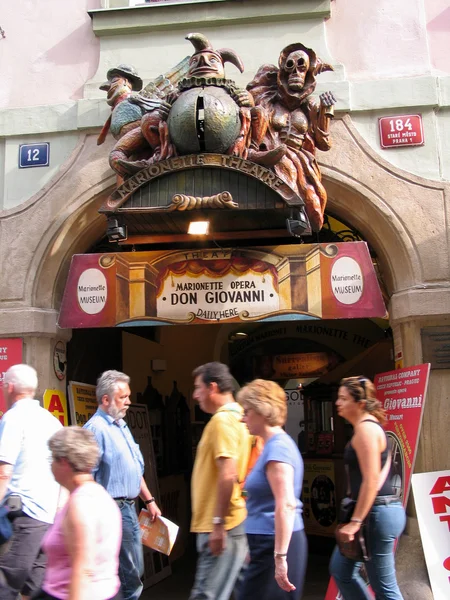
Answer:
(218, 508)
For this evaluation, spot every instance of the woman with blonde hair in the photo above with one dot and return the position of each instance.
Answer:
(274, 524)
(83, 544)
(367, 459)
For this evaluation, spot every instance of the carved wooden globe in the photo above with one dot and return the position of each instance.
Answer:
(204, 120)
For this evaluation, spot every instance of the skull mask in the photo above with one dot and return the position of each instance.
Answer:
(296, 68)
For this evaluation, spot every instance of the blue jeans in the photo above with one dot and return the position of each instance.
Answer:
(131, 557)
(385, 525)
(216, 575)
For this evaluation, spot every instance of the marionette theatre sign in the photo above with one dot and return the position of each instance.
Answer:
(308, 281)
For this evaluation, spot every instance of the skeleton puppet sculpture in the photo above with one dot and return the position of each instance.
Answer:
(295, 124)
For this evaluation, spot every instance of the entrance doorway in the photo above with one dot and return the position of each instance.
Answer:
(307, 358)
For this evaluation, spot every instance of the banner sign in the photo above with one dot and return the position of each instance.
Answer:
(83, 403)
(56, 403)
(308, 281)
(402, 394)
(319, 497)
(11, 351)
(432, 500)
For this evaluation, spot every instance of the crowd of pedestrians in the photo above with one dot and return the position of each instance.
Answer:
(70, 495)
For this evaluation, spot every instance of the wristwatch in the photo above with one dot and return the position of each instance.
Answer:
(218, 521)
(149, 501)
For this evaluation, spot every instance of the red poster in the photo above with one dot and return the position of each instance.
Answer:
(402, 394)
(10, 354)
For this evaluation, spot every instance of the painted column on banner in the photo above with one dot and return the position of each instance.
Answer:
(11, 353)
(402, 395)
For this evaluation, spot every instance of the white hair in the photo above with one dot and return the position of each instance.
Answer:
(23, 378)
(107, 384)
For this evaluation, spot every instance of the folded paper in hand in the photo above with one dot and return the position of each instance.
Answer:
(159, 534)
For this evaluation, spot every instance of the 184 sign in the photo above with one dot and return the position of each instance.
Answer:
(401, 130)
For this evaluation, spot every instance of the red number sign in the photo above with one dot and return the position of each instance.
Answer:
(401, 131)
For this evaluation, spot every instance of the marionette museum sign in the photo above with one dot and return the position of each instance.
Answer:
(308, 281)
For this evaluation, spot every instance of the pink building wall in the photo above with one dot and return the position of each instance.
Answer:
(390, 38)
(49, 51)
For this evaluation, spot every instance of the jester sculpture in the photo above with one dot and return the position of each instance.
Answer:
(208, 113)
(129, 103)
(295, 124)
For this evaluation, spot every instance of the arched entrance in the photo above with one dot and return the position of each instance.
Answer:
(357, 183)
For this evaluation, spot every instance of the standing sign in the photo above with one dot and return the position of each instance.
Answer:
(11, 350)
(83, 403)
(319, 497)
(432, 499)
(156, 565)
(402, 394)
(56, 403)
(401, 131)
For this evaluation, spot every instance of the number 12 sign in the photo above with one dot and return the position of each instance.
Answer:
(402, 130)
(34, 155)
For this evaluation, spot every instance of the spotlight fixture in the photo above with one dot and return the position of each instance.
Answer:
(198, 228)
(116, 231)
(297, 223)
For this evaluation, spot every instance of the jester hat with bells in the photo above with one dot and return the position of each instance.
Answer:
(207, 66)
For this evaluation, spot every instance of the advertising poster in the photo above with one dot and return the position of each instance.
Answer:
(55, 402)
(83, 403)
(432, 499)
(11, 352)
(156, 565)
(402, 394)
(319, 497)
(308, 281)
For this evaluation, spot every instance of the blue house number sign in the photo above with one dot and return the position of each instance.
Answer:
(34, 155)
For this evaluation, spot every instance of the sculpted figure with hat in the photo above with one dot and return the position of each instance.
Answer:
(128, 105)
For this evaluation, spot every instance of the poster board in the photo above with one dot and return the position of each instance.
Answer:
(82, 402)
(156, 565)
(55, 402)
(432, 499)
(319, 497)
(402, 394)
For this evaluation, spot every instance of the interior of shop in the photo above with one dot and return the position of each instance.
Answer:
(306, 357)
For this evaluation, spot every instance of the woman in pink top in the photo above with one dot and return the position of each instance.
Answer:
(83, 545)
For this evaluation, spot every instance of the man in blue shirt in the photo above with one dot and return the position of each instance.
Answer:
(120, 471)
(27, 485)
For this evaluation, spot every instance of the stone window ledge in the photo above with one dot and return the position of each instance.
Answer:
(140, 19)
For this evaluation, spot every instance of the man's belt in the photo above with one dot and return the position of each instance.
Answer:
(124, 499)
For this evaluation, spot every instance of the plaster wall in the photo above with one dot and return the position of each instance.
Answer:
(388, 59)
(48, 53)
